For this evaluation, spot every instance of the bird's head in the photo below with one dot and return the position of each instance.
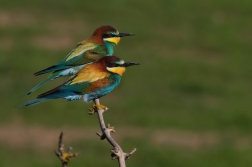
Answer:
(109, 34)
(115, 65)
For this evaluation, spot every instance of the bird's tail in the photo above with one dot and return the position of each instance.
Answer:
(67, 72)
(53, 68)
(55, 93)
(38, 86)
(52, 94)
(33, 102)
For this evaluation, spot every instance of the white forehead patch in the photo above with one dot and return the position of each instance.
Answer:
(121, 62)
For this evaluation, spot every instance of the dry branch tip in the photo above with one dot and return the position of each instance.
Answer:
(64, 157)
(127, 155)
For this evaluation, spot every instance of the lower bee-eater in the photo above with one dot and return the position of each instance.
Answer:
(90, 83)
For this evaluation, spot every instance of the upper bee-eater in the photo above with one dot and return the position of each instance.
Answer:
(100, 43)
(90, 83)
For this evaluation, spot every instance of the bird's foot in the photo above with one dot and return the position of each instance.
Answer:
(96, 107)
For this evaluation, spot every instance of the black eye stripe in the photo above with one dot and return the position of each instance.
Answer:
(108, 35)
(112, 65)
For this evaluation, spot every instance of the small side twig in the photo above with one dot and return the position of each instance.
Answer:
(64, 157)
(117, 152)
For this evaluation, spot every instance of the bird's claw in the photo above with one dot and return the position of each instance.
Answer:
(92, 110)
(96, 107)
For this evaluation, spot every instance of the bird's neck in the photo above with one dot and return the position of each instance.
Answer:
(110, 48)
(116, 79)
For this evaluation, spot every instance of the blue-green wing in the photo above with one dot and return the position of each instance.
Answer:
(84, 53)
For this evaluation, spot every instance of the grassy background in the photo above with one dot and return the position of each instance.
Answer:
(188, 104)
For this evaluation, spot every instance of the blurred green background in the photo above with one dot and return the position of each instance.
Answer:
(188, 103)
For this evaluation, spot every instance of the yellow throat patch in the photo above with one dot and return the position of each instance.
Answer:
(117, 70)
(114, 40)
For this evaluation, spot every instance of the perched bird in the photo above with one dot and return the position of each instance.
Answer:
(90, 83)
(100, 43)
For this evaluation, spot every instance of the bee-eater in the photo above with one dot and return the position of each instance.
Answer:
(100, 43)
(90, 83)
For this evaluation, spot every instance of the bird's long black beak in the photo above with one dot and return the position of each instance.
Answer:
(124, 34)
(127, 64)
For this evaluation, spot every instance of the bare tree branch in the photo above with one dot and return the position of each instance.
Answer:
(117, 152)
(64, 157)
